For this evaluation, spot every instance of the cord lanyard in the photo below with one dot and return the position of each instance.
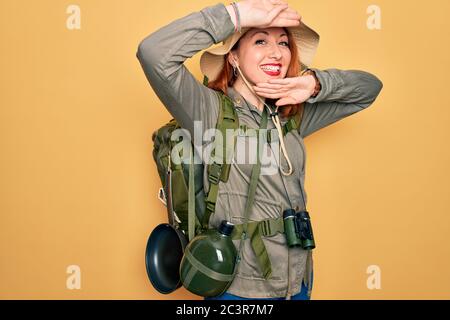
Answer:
(279, 165)
(276, 121)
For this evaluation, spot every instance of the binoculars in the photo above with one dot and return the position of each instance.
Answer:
(298, 229)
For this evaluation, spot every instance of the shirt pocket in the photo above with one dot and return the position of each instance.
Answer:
(262, 208)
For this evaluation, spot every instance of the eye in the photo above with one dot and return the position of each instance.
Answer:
(261, 41)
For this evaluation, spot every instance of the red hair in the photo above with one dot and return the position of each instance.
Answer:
(226, 77)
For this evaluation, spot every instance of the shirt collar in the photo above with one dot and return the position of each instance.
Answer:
(244, 106)
(240, 102)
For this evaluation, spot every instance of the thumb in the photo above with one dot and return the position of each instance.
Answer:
(276, 11)
(285, 101)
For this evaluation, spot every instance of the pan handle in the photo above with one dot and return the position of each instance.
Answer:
(162, 197)
(169, 203)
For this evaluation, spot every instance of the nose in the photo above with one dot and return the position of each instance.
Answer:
(275, 52)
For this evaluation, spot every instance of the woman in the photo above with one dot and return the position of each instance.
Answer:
(265, 48)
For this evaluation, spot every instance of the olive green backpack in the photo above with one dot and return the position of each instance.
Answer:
(187, 178)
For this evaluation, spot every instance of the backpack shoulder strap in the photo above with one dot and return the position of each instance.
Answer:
(294, 122)
(299, 115)
(219, 170)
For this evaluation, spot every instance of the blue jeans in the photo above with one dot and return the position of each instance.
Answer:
(302, 295)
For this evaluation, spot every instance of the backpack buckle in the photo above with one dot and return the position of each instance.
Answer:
(264, 226)
(271, 227)
(214, 172)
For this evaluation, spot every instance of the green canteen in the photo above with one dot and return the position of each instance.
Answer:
(207, 266)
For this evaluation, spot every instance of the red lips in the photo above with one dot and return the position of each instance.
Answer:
(272, 72)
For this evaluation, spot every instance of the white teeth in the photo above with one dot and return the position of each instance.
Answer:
(271, 68)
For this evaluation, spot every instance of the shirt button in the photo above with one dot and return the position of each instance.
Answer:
(297, 208)
(238, 101)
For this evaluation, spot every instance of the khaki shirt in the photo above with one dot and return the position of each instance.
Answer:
(343, 92)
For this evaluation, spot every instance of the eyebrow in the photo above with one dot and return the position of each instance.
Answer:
(266, 33)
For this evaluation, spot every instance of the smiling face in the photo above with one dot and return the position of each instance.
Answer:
(263, 54)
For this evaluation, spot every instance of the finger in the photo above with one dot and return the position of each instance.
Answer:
(269, 86)
(268, 90)
(281, 22)
(290, 12)
(272, 95)
(289, 9)
(276, 11)
(279, 81)
(277, 1)
(285, 101)
(289, 15)
(285, 85)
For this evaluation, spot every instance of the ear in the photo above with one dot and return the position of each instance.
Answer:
(232, 59)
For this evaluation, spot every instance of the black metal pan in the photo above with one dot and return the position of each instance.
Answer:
(165, 248)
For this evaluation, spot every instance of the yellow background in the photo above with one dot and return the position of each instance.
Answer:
(78, 183)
